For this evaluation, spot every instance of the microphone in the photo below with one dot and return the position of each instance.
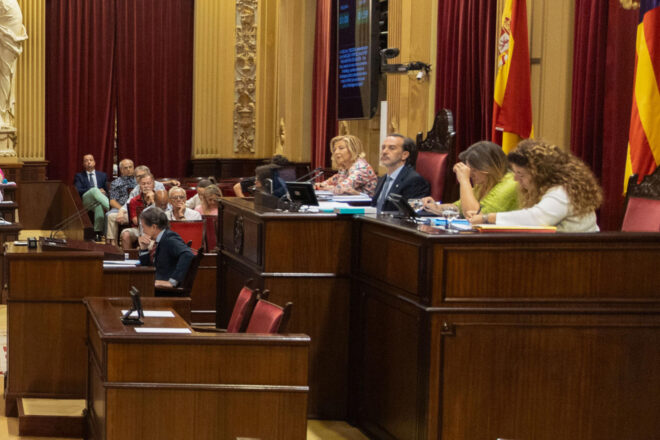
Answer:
(303, 178)
(71, 219)
(315, 176)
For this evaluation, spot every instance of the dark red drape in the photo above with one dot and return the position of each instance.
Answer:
(154, 83)
(466, 66)
(324, 94)
(79, 91)
(603, 67)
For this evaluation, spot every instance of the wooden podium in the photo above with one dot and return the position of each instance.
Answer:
(182, 386)
(46, 318)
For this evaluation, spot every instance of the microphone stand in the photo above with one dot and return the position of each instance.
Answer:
(302, 178)
(70, 219)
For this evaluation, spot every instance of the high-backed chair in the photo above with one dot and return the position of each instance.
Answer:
(190, 231)
(243, 307)
(642, 213)
(186, 285)
(435, 155)
(268, 317)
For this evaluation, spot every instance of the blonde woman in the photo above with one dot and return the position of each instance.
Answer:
(354, 175)
(210, 199)
(486, 184)
(556, 189)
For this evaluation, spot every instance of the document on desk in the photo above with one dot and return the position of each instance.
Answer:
(120, 263)
(164, 330)
(152, 314)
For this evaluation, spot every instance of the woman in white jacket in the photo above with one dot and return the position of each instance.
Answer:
(556, 189)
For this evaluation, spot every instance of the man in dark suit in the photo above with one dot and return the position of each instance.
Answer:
(163, 248)
(91, 186)
(401, 177)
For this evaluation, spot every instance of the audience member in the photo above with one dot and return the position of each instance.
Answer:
(135, 207)
(119, 191)
(401, 178)
(91, 186)
(196, 200)
(556, 189)
(179, 210)
(171, 256)
(486, 184)
(354, 175)
(210, 199)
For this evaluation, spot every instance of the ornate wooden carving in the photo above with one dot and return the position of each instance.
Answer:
(245, 76)
(648, 188)
(442, 136)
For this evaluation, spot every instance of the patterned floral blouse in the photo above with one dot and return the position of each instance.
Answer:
(360, 177)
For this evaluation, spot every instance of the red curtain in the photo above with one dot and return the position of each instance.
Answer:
(603, 67)
(466, 66)
(324, 93)
(80, 37)
(154, 83)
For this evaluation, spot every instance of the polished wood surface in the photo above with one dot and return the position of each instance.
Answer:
(43, 204)
(302, 258)
(201, 386)
(46, 317)
(475, 336)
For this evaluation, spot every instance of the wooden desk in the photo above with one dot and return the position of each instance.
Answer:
(46, 318)
(186, 386)
(303, 258)
(505, 336)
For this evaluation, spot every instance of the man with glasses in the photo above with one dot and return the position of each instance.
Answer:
(179, 209)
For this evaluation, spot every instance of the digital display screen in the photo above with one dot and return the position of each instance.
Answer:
(357, 65)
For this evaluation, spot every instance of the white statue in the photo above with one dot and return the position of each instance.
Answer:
(12, 35)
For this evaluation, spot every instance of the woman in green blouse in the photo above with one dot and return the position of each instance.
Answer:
(486, 184)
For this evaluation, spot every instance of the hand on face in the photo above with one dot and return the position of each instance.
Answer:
(144, 241)
(462, 172)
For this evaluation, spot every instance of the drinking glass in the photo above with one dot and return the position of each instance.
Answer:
(449, 214)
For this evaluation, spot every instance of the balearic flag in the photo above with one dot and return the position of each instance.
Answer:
(512, 106)
(644, 137)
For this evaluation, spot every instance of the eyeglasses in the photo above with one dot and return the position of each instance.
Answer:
(178, 198)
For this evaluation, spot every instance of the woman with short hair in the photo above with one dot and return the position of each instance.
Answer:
(354, 175)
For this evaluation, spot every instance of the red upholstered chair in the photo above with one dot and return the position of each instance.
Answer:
(642, 215)
(268, 317)
(210, 232)
(190, 231)
(242, 311)
(642, 212)
(435, 156)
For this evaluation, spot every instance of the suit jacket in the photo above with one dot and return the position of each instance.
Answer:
(408, 183)
(172, 257)
(82, 182)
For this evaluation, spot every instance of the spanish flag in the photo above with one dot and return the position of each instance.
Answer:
(512, 106)
(644, 137)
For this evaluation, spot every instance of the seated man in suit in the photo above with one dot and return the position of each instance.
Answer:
(401, 177)
(91, 186)
(170, 255)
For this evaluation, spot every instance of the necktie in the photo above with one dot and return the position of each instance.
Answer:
(91, 180)
(152, 253)
(383, 194)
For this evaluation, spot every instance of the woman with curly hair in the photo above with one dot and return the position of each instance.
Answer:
(556, 189)
(355, 174)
